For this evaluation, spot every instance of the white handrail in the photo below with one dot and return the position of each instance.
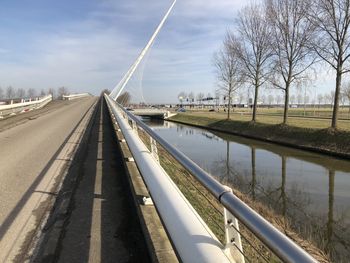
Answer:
(75, 96)
(47, 98)
(193, 239)
(279, 243)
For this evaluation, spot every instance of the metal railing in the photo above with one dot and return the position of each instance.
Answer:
(24, 105)
(75, 96)
(283, 247)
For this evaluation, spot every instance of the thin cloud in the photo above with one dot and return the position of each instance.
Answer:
(92, 51)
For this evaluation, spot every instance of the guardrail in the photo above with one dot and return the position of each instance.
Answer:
(75, 96)
(284, 248)
(14, 108)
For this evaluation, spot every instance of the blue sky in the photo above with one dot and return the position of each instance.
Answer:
(88, 45)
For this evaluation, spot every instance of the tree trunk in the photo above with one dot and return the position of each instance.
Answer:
(330, 230)
(227, 160)
(336, 98)
(283, 186)
(253, 173)
(229, 105)
(255, 101)
(286, 104)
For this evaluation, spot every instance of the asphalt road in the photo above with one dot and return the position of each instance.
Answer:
(29, 147)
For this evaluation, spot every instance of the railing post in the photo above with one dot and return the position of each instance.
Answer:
(134, 126)
(154, 149)
(275, 240)
(233, 246)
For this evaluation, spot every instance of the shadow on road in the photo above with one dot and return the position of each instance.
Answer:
(103, 225)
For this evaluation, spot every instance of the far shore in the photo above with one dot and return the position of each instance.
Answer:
(297, 135)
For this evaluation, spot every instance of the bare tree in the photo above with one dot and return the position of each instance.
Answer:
(20, 93)
(10, 92)
(278, 99)
(62, 91)
(292, 34)
(346, 92)
(342, 98)
(332, 96)
(332, 44)
(191, 97)
(255, 34)
(209, 97)
(240, 97)
(42, 93)
(299, 98)
(31, 93)
(320, 99)
(270, 99)
(217, 97)
(327, 99)
(292, 99)
(52, 92)
(124, 98)
(228, 68)
(200, 97)
(1, 93)
(182, 96)
(107, 91)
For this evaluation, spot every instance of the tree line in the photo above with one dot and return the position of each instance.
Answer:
(20, 93)
(282, 44)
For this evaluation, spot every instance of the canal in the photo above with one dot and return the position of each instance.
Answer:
(311, 190)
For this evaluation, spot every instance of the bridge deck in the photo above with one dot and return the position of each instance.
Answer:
(103, 225)
(149, 112)
(93, 219)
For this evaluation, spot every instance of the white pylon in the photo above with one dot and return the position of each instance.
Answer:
(121, 85)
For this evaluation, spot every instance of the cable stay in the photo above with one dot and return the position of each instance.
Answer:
(124, 81)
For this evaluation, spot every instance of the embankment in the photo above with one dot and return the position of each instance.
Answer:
(326, 141)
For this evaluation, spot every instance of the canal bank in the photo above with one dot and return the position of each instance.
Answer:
(301, 191)
(324, 141)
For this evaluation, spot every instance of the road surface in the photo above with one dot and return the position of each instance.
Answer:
(33, 155)
(103, 225)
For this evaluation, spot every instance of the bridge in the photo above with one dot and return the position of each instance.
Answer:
(153, 113)
(67, 190)
(84, 180)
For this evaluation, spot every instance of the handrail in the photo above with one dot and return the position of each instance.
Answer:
(276, 241)
(27, 103)
(190, 235)
(75, 96)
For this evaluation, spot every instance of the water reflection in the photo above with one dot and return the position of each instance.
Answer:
(253, 183)
(330, 222)
(310, 190)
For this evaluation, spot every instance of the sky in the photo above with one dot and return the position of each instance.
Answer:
(88, 45)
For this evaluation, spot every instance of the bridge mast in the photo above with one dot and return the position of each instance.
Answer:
(121, 85)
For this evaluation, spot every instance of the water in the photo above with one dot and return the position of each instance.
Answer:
(311, 190)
